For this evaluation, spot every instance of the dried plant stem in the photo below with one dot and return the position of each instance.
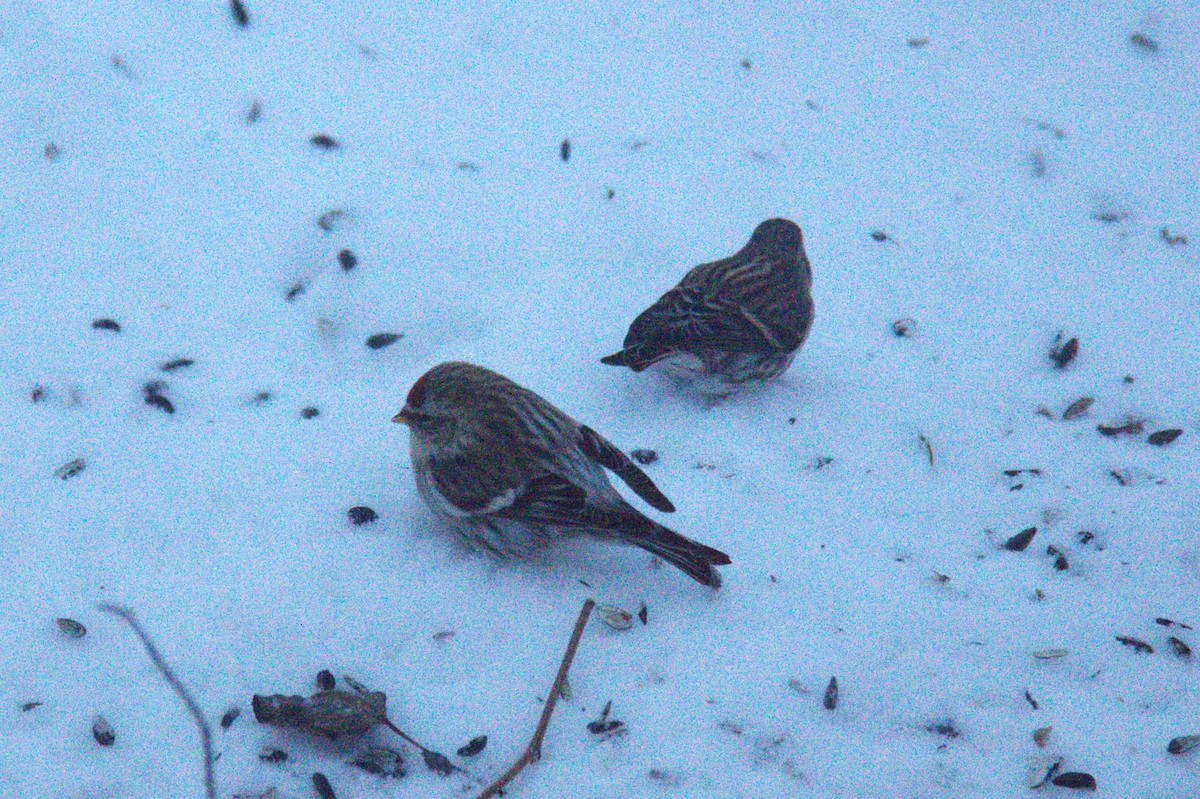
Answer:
(533, 752)
(210, 782)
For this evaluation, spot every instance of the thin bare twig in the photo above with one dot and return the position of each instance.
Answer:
(928, 447)
(534, 751)
(210, 781)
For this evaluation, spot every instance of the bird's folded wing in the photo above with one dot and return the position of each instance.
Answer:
(465, 489)
(605, 453)
(548, 499)
(686, 318)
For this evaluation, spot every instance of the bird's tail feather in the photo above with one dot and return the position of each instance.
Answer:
(693, 558)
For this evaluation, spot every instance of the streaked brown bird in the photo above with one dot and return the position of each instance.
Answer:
(510, 473)
(733, 321)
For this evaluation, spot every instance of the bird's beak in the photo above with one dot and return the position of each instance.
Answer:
(404, 417)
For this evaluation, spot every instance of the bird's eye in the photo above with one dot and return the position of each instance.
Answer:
(416, 394)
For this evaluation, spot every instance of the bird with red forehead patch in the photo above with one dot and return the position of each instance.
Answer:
(507, 472)
(730, 322)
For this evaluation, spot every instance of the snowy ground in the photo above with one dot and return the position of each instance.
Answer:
(989, 145)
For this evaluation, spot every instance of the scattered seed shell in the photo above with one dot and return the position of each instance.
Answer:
(331, 219)
(643, 614)
(1133, 427)
(1077, 408)
(564, 150)
(309, 412)
(1075, 779)
(1041, 735)
(1171, 623)
(1050, 654)
(1021, 540)
(103, 732)
(104, 323)
(380, 340)
(1062, 353)
(240, 15)
(1143, 42)
(229, 716)
(269, 754)
(1163, 437)
(176, 363)
(28, 706)
(644, 456)
(879, 235)
(70, 628)
(361, 514)
(155, 400)
(1180, 649)
(347, 259)
(322, 787)
(1183, 744)
(323, 141)
(615, 617)
(830, 700)
(70, 469)
(944, 728)
(1137, 645)
(380, 761)
(1029, 698)
(473, 747)
(438, 763)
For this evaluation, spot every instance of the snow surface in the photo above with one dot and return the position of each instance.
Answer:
(224, 524)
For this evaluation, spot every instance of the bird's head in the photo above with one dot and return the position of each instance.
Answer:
(432, 407)
(777, 235)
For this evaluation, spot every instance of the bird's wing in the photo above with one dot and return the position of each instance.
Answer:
(465, 488)
(548, 499)
(687, 316)
(605, 453)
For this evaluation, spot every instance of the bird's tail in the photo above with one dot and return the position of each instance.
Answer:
(693, 558)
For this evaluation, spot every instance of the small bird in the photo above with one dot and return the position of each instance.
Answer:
(733, 321)
(510, 473)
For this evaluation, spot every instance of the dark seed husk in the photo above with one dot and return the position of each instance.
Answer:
(347, 259)
(1171, 623)
(438, 763)
(1077, 408)
(155, 400)
(943, 728)
(309, 412)
(70, 628)
(1021, 540)
(176, 363)
(70, 469)
(1182, 744)
(103, 732)
(28, 706)
(230, 715)
(240, 15)
(322, 787)
(381, 761)
(1075, 779)
(380, 340)
(1139, 646)
(1063, 353)
(361, 514)
(323, 141)
(271, 755)
(1163, 437)
(643, 614)
(1143, 42)
(830, 699)
(879, 235)
(1181, 649)
(564, 150)
(644, 456)
(295, 291)
(1131, 428)
(473, 747)
(104, 323)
